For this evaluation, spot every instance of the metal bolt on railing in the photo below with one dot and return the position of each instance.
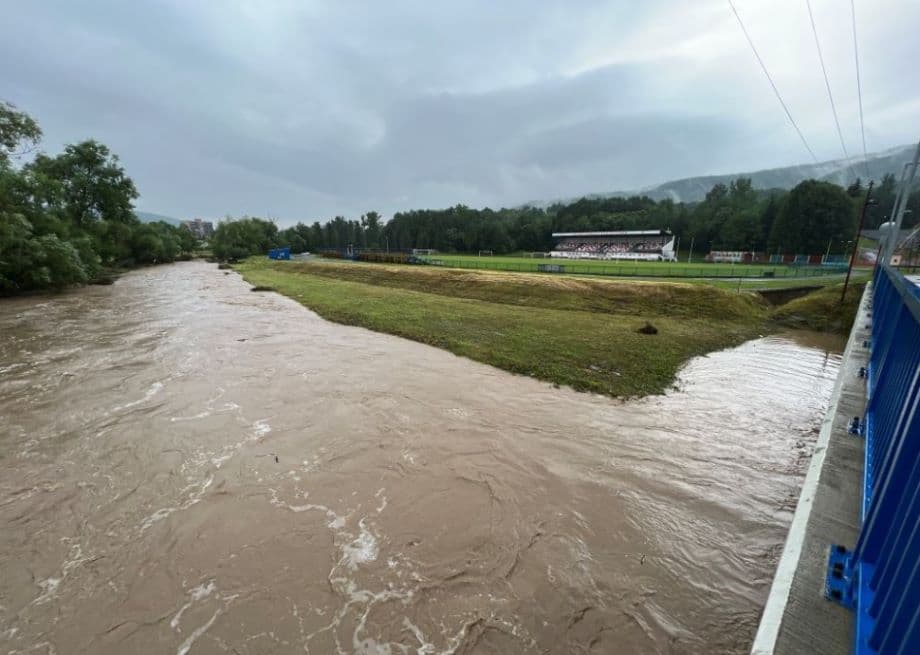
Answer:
(839, 582)
(855, 425)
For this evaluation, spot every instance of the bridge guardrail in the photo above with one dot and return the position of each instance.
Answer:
(880, 578)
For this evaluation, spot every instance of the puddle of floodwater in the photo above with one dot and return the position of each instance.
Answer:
(189, 467)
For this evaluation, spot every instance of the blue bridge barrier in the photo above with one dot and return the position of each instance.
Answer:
(880, 578)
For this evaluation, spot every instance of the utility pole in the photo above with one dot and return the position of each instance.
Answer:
(898, 216)
(690, 258)
(862, 221)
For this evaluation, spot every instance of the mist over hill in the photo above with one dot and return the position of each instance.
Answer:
(838, 171)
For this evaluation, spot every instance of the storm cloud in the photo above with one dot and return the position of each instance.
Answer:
(301, 110)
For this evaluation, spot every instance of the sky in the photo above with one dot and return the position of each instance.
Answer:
(303, 110)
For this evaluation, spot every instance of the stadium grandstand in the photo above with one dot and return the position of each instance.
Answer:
(646, 245)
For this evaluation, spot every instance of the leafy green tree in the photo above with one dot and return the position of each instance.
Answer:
(814, 215)
(19, 133)
(370, 223)
(60, 262)
(88, 182)
(237, 239)
(65, 217)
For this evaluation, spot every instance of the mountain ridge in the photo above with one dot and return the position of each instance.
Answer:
(839, 171)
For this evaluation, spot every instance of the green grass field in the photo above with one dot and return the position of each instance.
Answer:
(575, 332)
(569, 330)
(630, 269)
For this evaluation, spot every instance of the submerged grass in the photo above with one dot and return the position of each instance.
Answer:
(569, 331)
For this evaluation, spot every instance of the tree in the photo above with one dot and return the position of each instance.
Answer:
(370, 222)
(88, 182)
(814, 215)
(884, 195)
(768, 217)
(19, 133)
(63, 218)
(237, 239)
(855, 190)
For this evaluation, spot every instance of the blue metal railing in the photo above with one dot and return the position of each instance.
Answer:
(882, 573)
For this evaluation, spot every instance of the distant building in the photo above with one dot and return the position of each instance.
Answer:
(202, 230)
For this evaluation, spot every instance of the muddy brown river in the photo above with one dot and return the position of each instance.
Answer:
(189, 467)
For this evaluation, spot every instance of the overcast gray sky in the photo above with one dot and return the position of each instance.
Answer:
(301, 109)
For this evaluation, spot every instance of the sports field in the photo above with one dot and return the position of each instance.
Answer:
(628, 269)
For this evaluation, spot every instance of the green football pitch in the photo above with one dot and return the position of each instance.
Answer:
(628, 268)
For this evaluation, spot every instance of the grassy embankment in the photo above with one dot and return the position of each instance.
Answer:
(571, 331)
(580, 332)
(821, 310)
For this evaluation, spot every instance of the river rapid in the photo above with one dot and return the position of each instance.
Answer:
(190, 467)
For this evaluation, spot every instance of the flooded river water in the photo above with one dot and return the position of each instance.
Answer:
(189, 467)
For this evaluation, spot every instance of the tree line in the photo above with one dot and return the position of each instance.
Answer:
(814, 217)
(69, 218)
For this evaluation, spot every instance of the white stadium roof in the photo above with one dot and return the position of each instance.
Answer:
(621, 233)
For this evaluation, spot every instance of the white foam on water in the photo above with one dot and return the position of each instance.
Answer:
(200, 415)
(260, 428)
(187, 644)
(383, 501)
(154, 389)
(357, 551)
(49, 587)
(219, 461)
(362, 549)
(336, 522)
(193, 498)
(196, 594)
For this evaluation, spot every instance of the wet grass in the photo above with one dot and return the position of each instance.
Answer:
(822, 310)
(578, 332)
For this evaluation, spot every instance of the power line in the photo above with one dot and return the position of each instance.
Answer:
(862, 127)
(770, 80)
(827, 84)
